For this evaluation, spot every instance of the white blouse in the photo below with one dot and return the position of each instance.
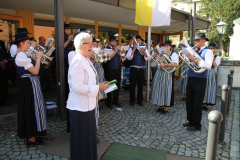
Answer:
(23, 61)
(13, 50)
(71, 56)
(82, 84)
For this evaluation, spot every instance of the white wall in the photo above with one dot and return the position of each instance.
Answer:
(234, 50)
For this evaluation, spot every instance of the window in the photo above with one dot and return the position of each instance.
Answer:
(182, 9)
(127, 33)
(175, 4)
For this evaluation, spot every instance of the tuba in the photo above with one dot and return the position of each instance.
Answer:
(159, 56)
(46, 58)
(187, 48)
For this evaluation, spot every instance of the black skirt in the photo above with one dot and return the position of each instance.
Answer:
(27, 126)
(172, 95)
(83, 135)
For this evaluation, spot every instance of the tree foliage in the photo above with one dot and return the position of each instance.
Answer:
(227, 10)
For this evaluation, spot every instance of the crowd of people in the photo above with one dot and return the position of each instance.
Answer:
(86, 80)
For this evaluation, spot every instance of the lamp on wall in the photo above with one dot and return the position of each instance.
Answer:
(221, 28)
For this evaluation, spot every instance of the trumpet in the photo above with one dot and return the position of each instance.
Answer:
(99, 57)
(197, 69)
(136, 43)
(39, 46)
(158, 58)
(46, 54)
(45, 59)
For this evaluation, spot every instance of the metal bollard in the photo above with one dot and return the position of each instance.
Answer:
(224, 103)
(230, 82)
(215, 118)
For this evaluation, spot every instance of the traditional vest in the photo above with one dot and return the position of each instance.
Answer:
(115, 62)
(138, 59)
(67, 49)
(21, 70)
(201, 75)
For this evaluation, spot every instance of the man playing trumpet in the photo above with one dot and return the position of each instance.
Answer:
(114, 71)
(138, 58)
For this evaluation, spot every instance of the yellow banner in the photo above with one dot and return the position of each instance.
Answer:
(143, 14)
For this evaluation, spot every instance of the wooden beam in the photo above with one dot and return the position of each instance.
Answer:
(96, 28)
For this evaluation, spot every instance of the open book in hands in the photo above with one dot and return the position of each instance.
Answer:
(112, 86)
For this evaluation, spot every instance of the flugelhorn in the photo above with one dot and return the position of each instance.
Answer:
(185, 46)
(45, 59)
(159, 57)
(46, 54)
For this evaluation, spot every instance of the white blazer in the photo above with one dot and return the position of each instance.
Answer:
(82, 84)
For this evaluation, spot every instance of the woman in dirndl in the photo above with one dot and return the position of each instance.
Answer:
(163, 86)
(211, 88)
(183, 80)
(32, 121)
(99, 68)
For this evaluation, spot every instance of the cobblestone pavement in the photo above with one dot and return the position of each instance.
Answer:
(137, 126)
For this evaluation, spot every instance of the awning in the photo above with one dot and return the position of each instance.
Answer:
(105, 11)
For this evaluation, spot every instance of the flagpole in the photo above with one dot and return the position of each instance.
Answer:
(148, 63)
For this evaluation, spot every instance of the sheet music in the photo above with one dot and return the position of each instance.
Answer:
(49, 42)
(162, 50)
(124, 48)
(111, 88)
(49, 53)
(96, 50)
(108, 51)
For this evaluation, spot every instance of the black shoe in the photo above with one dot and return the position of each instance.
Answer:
(164, 111)
(183, 99)
(160, 109)
(39, 140)
(117, 104)
(48, 90)
(186, 124)
(131, 103)
(193, 129)
(29, 143)
(5, 104)
(109, 106)
(140, 103)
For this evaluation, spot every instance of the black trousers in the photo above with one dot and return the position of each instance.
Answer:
(48, 78)
(195, 95)
(3, 85)
(66, 65)
(111, 75)
(136, 77)
(83, 135)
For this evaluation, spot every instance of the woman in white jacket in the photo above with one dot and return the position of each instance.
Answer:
(82, 101)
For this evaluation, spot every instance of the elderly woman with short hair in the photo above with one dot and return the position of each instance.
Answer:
(83, 101)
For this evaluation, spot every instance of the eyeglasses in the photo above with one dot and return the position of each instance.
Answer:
(89, 43)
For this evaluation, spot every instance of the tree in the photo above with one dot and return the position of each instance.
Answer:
(227, 10)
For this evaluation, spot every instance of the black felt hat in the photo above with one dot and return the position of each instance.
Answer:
(201, 36)
(212, 45)
(167, 43)
(138, 37)
(22, 31)
(112, 38)
(67, 26)
(20, 37)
